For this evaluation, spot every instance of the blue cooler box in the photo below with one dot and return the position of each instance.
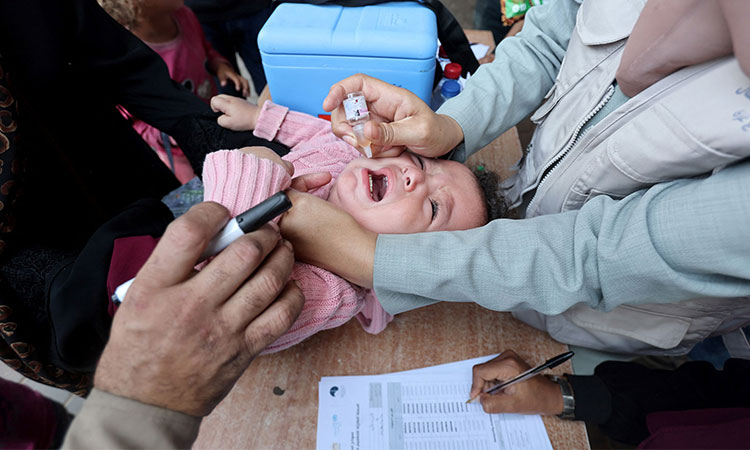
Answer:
(307, 48)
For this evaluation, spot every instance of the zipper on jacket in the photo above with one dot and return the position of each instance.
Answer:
(577, 135)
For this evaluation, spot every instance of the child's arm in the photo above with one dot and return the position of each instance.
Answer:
(271, 121)
(216, 64)
(240, 180)
(278, 123)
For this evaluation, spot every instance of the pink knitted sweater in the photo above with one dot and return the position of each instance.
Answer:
(238, 181)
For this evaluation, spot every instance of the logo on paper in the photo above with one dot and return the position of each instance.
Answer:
(337, 392)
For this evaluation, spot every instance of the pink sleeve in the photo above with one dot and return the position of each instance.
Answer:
(239, 181)
(330, 301)
(278, 123)
(373, 317)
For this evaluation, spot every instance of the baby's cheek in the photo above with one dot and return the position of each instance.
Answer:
(388, 219)
(342, 195)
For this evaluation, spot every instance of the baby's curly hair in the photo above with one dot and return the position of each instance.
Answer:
(123, 11)
(489, 185)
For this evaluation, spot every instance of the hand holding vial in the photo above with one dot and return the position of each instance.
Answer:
(397, 118)
(357, 115)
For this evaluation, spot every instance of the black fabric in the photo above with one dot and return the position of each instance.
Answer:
(77, 290)
(238, 37)
(75, 163)
(450, 33)
(83, 64)
(220, 10)
(24, 320)
(62, 422)
(58, 300)
(11, 156)
(636, 391)
(488, 15)
(586, 389)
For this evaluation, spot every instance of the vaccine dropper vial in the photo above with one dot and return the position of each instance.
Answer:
(357, 115)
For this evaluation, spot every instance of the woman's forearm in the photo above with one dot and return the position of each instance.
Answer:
(676, 241)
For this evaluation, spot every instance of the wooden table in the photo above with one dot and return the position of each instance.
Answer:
(253, 416)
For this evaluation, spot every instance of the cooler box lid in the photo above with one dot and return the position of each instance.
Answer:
(405, 30)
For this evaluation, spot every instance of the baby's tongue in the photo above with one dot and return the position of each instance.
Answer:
(379, 186)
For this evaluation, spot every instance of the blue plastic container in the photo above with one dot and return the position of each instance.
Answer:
(307, 48)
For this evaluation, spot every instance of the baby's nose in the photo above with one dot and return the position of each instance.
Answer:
(412, 178)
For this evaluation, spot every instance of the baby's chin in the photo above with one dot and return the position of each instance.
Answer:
(333, 197)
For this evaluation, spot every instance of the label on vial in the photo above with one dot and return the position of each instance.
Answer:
(356, 108)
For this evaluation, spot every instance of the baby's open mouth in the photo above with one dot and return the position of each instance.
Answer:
(378, 186)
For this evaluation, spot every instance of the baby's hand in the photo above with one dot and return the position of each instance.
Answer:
(238, 114)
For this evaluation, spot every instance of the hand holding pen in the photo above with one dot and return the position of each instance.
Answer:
(523, 392)
(247, 222)
(240, 302)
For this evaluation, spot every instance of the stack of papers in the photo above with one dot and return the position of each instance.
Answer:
(418, 409)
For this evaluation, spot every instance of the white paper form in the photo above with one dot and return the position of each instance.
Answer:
(458, 369)
(422, 410)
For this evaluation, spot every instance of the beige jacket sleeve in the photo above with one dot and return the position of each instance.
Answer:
(108, 421)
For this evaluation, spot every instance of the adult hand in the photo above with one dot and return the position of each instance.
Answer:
(537, 395)
(326, 236)
(398, 119)
(181, 340)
